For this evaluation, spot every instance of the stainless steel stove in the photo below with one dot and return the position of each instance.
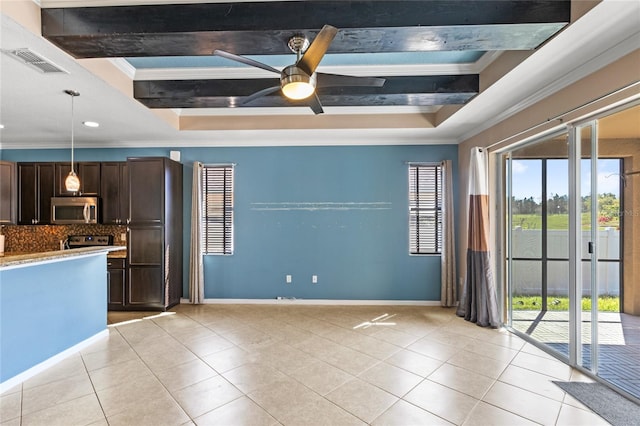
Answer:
(77, 241)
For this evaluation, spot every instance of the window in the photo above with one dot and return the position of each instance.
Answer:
(217, 209)
(425, 208)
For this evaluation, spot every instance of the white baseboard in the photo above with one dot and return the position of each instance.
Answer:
(315, 302)
(50, 362)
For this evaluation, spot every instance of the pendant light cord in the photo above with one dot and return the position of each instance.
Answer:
(72, 96)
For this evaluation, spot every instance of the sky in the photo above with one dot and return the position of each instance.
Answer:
(527, 178)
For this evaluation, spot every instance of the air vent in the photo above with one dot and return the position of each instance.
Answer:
(37, 61)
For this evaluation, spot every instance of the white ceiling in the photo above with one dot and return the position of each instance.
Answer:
(36, 112)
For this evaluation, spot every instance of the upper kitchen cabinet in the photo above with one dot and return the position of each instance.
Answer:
(147, 192)
(37, 185)
(8, 193)
(114, 191)
(88, 173)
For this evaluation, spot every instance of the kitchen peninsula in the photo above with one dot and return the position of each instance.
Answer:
(52, 304)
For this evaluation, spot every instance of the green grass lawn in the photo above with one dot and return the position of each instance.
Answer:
(558, 221)
(534, 303)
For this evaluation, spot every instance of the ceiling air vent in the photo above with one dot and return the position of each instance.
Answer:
(37, 61)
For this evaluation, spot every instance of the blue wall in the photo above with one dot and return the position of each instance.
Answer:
(48, 308)
(337, 212)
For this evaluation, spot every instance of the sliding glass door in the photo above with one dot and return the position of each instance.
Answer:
(571, 240)
(601, 342)
(538, 249)
(587, 277)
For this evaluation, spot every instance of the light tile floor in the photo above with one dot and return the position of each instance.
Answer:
(300, 365)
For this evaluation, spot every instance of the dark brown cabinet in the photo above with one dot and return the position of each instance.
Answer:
(146, 194)
(88, 173)
(114, 191)
(36, 182)
(147, 190)
(116, 283)
(154, 240)
(8, 193)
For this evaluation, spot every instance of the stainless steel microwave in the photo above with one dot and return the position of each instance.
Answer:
(70, 210)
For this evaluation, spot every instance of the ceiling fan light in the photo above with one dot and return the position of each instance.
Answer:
(298, 90)
(296, 84)
(72, 183)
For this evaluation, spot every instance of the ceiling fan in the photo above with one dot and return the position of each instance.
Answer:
(299, 81)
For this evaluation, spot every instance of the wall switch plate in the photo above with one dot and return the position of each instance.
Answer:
(314, 279)
(123, 236)
(288, 278)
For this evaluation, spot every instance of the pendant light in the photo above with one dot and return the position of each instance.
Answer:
(72, 183)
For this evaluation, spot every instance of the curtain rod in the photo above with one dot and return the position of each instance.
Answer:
(422, 163)
(560, 116)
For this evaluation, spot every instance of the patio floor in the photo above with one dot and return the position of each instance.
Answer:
(618, 338)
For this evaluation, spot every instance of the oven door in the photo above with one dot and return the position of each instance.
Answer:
(74, 210)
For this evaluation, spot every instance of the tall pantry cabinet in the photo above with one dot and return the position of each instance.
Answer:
(154, 243)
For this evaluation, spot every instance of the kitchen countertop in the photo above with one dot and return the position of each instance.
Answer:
(119, 254)
(13, 260)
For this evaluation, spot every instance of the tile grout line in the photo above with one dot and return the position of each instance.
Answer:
(95, 392)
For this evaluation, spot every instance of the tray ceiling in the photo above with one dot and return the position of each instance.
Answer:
(366, 29)
(146, 72)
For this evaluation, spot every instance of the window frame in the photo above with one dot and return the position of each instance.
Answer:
(226, 207)
(436, 212)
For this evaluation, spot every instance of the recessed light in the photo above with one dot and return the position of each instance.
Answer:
(91, 124)
(1, 126)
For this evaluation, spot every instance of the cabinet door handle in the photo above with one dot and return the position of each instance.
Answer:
(108, 263)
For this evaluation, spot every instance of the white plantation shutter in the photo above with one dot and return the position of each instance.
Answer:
(425, 209)
(217, 209)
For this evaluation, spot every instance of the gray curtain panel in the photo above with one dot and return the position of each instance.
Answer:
(196, 275)
(478, 302)
(448, 286)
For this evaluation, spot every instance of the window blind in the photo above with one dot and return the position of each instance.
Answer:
(217, 209)
(425, 209)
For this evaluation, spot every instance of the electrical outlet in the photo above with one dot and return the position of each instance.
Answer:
(288, 279)
(123, 236)
(314, 279)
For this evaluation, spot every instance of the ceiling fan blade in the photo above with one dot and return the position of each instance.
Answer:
(312, 57)
(315, 105)
(259, 94)
(334, 80)
(244, 60)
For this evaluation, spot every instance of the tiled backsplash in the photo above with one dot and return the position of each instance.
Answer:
(39, 238)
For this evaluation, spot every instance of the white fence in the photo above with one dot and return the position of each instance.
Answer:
(527, 275)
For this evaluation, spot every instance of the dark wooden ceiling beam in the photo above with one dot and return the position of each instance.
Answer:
(265, 27)
(398, 90)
